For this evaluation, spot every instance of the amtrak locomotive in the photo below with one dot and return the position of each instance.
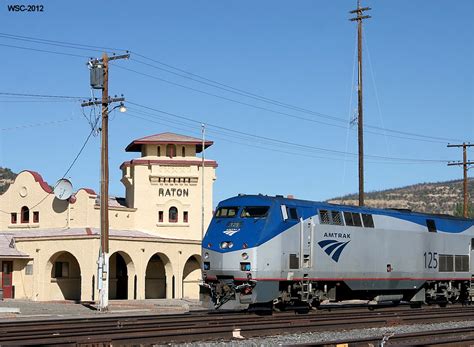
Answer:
(280, 252)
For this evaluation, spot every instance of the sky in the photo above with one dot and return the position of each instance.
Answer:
(273, 82)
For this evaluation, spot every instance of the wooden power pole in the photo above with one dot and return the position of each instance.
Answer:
(100, 80)
(465, 164)
(359, 17)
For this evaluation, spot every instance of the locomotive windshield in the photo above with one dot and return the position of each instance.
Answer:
(255, 212)
(227, 212)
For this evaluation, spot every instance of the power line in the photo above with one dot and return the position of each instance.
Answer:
(69, 168)
(425, 137)
(35, 100)
(232, 131)
(39, 124)
(60, 43)
(212, 83)
(242, 92)
(192, 129)
(44, 51)
(43, 96)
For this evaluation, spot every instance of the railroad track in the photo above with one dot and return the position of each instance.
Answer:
(445, 337)
(205, 326)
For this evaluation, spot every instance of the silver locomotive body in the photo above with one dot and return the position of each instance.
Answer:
(294, 252)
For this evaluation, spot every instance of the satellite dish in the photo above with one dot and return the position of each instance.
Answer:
(63, 189)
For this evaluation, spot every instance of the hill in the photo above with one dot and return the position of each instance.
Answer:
(7, 177)
(440, 197)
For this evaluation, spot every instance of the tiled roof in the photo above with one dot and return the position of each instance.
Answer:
(7, 247)
(113, 202)
(135, 145)
(77, 232)
(72, 232)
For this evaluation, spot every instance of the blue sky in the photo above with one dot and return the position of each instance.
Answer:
(418, 79)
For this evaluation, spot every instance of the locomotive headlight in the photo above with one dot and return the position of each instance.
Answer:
(245, 256)
(206, 255)
(227, 244)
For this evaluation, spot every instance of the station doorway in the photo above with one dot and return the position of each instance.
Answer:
(7, 287)
(118, 277)
(191, 277)
(155, 278)
(65, 277)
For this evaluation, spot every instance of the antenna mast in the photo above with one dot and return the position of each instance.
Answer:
(359, 17)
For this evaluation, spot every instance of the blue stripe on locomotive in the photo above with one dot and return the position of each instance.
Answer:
(250, 231)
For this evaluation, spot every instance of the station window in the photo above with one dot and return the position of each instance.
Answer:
(13, 218)
(61, 269)
(29, 269)
(25, 214)
(430, 223)
(183, 152)
(158, 151)
(36, 217)
(368, 220)
(160, 216)
(173, 215)
(185, 216)
(171, 150)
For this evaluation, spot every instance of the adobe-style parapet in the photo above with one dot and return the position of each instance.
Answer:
(165, 184)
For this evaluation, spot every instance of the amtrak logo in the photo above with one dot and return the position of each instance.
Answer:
(333, 248)
(231, 232)
(232, 228)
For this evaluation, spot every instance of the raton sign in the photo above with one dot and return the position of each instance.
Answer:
(179, 192)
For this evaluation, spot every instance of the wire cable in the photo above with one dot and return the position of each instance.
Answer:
(286, 142)
(68, 169)
(204, 80)
(44, 51)
(60, 43)
(242, 92)
(424, 138)
(39, 124)
(43, 96)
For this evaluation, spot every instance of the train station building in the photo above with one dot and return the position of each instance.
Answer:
(49, 247)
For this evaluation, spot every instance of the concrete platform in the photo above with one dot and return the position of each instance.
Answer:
(55, 309)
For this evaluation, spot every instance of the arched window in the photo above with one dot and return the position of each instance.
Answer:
(173, 215)
(170, 150)
(183, 152)
(25, 214)
(158, 151)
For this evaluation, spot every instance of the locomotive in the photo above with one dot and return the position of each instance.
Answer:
(280, 252)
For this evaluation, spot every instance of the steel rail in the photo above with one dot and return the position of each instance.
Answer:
(192, 327)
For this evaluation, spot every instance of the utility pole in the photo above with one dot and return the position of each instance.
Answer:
(100, 80)
(359, 17)
(465, 164)
(203, 131)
